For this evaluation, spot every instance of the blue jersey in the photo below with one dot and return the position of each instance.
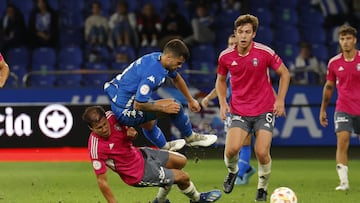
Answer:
(138, 81)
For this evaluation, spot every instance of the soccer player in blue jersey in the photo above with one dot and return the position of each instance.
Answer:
(130, 95)
(245, 169)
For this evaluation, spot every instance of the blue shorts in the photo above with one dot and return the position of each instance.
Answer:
(132, 117)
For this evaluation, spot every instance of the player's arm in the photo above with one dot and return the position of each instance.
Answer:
(212, 95)
(221, 91)
(327, 94)
(4, 71)
(105, 188)
(279, 106)
(180, 84)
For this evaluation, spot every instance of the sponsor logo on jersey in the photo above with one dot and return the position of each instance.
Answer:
(358, 67)
(234, 63)
(340, 68)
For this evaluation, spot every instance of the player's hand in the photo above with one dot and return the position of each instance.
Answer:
(224, 109)
(194, 105)
(131, 132)
(171, 108)
(323, 119)
(205, 102)
(279, 109)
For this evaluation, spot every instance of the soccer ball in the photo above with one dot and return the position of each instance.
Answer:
(283, 195)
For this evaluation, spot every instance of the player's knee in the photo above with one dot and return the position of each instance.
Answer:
(262, 155)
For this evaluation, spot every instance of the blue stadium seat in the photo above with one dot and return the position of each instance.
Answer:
(310, 16)
(264, 35)
(146, 50)
(70, 55)
(203, 73)
(314, 34)
(287, 34)
(71, 36)
(204, 52)
(54, 4)
(285, 16)
(254, 4)
(96, 80)
(291, 4)
(123, 51)
(72, 6)
(19, 62)
(321, 51)
(44, 56)
(43, 78)
(264, 15)
(225, 18)
(71, 19)
(2, 8)
(71, 79)
(287, 51)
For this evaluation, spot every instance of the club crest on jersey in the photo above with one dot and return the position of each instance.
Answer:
(255, 62)
(358, 67)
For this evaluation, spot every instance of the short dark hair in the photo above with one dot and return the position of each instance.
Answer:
(347, 29)
(93, 114)
(247, 18)
(178, 48)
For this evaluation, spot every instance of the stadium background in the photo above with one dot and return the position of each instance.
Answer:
(27, 107)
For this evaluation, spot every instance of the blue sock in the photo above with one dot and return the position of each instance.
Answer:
(155, 136)
(182, 122)
(244, 160)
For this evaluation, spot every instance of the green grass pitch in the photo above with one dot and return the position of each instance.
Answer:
(74, 182)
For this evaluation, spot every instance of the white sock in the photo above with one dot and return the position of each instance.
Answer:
(264, 175)
(162, 194)
(342, 171)
(232, 163)
(191, 192)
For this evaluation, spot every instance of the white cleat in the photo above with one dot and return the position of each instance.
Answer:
(342, 187)
(176, 145)
(200, 140)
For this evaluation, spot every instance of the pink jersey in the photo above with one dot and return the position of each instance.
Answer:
(252, 91)
(1, 57)
(116, 152)
(346, 74)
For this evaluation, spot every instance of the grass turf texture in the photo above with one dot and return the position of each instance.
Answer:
(50, 182)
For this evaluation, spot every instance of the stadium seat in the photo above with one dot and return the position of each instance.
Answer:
(254, 4)
(2, 8)
(19, 61)
(42, 78)
(71, 36)
(289, 4)
(264, 35)
(310, 16)
(72, 6)
(54, 4)
(146, 50)
(287, 51)
(204, 52)
(71, 19)
(314, 34)
(203, 73)
(287, 34)
(264, 15)
(321, 51)
(69, 80)
(122, 57)
(285, 16)
(225, 18)
(70, 55)
(98, 80)
(44, 56)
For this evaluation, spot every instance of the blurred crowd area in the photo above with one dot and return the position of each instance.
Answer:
(83, 43)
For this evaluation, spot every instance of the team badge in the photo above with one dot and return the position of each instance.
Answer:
(96, 164)
(255, 62)
(358, 67)
(144, 89)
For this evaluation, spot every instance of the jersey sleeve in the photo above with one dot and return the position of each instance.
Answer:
(330, 75)
(222, 68)
(145, 89)
(275, 61)
(1, 57)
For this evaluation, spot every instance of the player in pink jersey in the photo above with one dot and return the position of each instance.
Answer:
(110, 145)
(344, 72)
(253, 103)
(4, 71)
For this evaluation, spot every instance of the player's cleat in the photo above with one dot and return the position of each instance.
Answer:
(261, 195)
(156, 201)
(245, 179)
(343, 187)
(211, 196)
(229, 181)
(201, 140)
(175, 145)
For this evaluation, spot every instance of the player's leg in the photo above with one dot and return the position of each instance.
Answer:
(234, 139)
(182, 123)
(263, 127)
(343, 140)
(245, 169)
(344, 124)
